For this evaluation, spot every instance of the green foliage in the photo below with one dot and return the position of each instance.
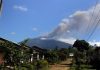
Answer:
(95, 58)
(80, 52)
(25, 67)
(52, 56)
(56, 55)
(86, 56)
(24, 41)
(63, 53)
(82, 67)
(81, 45)
(42, 65)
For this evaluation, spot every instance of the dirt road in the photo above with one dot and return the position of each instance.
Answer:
(65, 65)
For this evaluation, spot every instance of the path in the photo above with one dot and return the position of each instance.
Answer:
(65, 65)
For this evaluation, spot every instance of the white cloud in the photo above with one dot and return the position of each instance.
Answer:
(68, 31)
(13, 33)
(94, 42)
(20, 8)
(69, 40)
(43, 38)
(34, 29)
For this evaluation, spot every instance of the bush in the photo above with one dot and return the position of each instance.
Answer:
(31, 67)
(25, 67)
(42, 65)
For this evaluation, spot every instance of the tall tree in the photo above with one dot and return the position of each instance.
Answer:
(81, 45)
(80, 56)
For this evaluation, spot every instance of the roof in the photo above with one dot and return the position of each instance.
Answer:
(9, 44)
(39, 49)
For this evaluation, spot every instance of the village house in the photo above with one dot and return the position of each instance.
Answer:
(38, 53)
(2, 54)
(8, 46)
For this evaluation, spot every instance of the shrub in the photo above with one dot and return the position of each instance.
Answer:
(31, 67)
(23, 68)
(42, 65)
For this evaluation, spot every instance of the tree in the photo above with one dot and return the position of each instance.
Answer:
(26, 51)
(24, 41)
(80, 55)
(63, 54)
(95, 58)
(81, 45)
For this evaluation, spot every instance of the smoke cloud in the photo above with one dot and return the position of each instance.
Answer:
(76, 26)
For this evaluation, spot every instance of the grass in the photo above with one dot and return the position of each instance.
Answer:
(81, 67)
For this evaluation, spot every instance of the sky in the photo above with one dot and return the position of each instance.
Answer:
(21, 19)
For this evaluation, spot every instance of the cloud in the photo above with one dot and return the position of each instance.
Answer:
(76, 26)
(94, 42)
(68, 31)
(34, 29)
(68, 40)
(20, 8)
(43, 38)
(13, 33)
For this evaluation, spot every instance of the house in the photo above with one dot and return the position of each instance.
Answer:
(38, 53)
(34, 53)
(7, 48)
(9, 44)
(3, 52)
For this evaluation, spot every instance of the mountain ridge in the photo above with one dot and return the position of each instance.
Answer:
(47, 43)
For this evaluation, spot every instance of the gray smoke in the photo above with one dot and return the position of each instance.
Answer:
(75, 26)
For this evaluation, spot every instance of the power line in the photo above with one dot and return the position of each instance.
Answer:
(91, 16)
(94, 29)
(95, 18)
(96, 25)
